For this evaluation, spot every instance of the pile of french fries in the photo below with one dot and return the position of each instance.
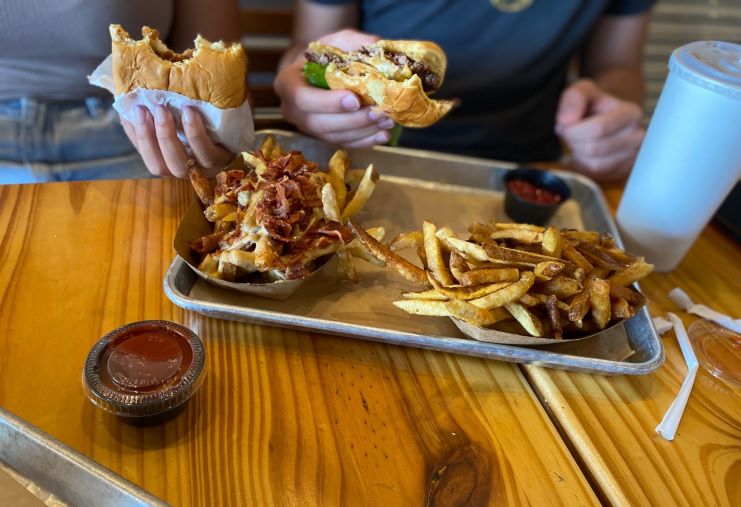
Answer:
(516, 278)
(240, 248)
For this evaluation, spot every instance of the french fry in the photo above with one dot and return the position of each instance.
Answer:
(469, 251)
(570, 253)
(530, 322)
(465, 293)
(599, 298)
(405, 240)
(338, 166)
(356, 249)
(524, 227)
(201, 184)
(508, 294)
(226, 212)
(434, 255)
(579, 306)
(498, 253)
(582, 236)
(473, 314)
(429, 295)
(458, 266)
(489, 275)
(631, 274)
(521, 235)
(621, 309)
(362, 194)
(545, 271)
(479, 228)
(599, 257)
(552, 242)
(329, 203)
(423, 307)
(560, 286)
(633, 298)
(382, 252)
(554, 317)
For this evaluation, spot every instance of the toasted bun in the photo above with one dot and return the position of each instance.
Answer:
(213, 72)
(422, 51)
(403, 101)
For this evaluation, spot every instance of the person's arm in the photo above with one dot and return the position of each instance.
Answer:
(599, 117)
(155, 136)
(336, 116)
(613, 55)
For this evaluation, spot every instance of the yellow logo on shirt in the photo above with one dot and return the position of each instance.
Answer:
(511, 5)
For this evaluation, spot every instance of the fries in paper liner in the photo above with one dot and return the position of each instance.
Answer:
(516, 283)
(272, 220)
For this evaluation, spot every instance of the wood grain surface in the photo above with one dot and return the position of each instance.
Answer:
(284, 417)
(610, 421)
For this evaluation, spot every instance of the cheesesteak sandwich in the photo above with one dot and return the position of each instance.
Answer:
(395, 75)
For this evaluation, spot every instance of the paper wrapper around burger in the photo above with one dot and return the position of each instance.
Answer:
(483, 334)
(234, 128)
(194, 225)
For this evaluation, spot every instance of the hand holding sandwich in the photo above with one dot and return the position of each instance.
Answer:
(370, 84)
(336, 116)
(156, 140)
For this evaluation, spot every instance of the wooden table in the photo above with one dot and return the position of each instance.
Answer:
(290, 417)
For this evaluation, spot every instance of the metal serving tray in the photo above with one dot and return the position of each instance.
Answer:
(448, 190)
(54, 469)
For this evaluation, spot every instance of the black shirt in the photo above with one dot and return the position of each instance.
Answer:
(507, 63)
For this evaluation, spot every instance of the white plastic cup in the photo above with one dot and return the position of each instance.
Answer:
(691, 156)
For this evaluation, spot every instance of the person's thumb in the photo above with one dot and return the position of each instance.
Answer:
(575, 102)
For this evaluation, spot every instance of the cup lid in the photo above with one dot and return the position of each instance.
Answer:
(711, 64)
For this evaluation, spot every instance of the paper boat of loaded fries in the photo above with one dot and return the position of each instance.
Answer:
(272, 219)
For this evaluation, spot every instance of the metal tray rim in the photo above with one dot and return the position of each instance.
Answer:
(439, 343)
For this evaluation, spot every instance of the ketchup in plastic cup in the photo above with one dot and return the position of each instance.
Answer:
(145, 372)
(532, 195)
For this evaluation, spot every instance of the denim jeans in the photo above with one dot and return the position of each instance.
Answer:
(63, 141)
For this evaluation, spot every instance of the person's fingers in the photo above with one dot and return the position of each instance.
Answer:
(326, 124)
(302, 98)
(146, 141)
(208, 154)
(130, 131)
(348, 39)
(369, 141)
(575, 101)
(603, 124)
(629, 138)
(171, 148)
(350, 136)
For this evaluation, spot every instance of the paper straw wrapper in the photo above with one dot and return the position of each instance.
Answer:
(667, 428)
(682, 300)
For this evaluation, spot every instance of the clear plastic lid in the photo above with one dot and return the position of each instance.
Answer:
(144, 368)
(711, 64)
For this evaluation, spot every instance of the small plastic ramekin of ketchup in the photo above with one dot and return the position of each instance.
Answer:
(532, 195)
(145, 372)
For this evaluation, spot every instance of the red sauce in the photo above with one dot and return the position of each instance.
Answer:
(146, 359)
(531, 192)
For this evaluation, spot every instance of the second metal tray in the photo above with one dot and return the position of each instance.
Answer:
(448, 190)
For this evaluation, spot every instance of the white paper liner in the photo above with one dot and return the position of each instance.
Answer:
(667, 428)
(233, 128)
(681, 299)
(483, 334)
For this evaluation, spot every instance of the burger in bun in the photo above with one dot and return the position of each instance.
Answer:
(397, 76)
(213, 71)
